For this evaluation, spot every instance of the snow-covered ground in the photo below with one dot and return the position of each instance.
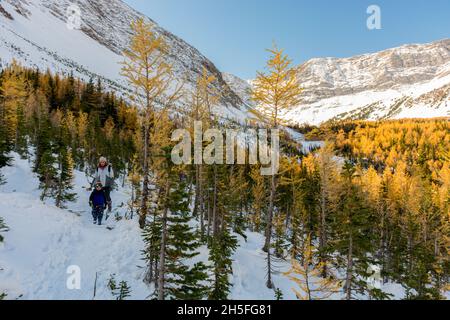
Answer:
(44, 241)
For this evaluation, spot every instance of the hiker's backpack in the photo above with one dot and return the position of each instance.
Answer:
(109, 178)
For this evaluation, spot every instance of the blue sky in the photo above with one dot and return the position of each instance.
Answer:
(235, 33)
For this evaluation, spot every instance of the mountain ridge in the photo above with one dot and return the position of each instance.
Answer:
(393, 83)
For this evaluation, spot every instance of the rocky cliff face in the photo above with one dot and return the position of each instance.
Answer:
(390, 69)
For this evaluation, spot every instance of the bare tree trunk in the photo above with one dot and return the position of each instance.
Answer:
(288, 216)
(214, 212)
(349, 278)
(269, 283)
(197, 191)
(323, 235)
(307, 285)
(156, 274)
(95, 286)
(201, 201)
(269, 216)
(383, 245)
(145, 186)
(410, 253)
(149, 276)
(269, 233)
(133, 200)
(153, 262)
(124, 177)
(162, 256)
(208, 232)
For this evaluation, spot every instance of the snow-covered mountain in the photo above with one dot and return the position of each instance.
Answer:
(409, 81)
(37, 34)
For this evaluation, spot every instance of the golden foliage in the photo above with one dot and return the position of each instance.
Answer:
(307, 274)
(279, 88)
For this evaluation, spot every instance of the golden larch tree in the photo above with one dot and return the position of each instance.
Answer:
(152, 79)
(275, 90)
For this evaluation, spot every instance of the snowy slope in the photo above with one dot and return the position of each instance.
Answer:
(36, 34)
(409, 81)
(44, 241)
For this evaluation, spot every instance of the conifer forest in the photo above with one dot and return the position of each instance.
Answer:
(358, 209)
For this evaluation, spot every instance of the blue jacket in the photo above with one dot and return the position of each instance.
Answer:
(98, 198)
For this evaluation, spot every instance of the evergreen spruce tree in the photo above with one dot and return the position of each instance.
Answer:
(152, 240)
(238, 194)
(279, 243)
(70, 94)
(171, 242)
(259, 198)
(41, 137)
(183, 282)
(120, 291)
(224, 204)
(170, 223)
(352, 237)
(278, 294)
(48, 173)
(221, 249)
(88, 97)
(124, 291)
(65, 178)
(5, 148)
(21, 139)
(46, 162)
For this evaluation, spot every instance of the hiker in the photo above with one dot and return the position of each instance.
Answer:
(105, 175)
(98, 203)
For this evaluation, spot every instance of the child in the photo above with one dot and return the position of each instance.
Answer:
(98, 203)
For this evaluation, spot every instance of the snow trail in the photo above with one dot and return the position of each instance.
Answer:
(44, 241)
